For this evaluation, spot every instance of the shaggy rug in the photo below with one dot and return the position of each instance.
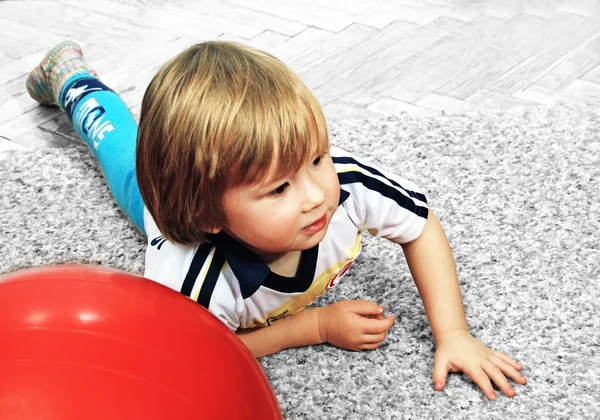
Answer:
(518, 192)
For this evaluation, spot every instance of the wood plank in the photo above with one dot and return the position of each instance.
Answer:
(226, 36)
(287, 50)
(448, 105)
(22, 67)
(457, 58)
(61, 125)
(124, 21)
(324, 15)
(380, 17)
(429, 66)
(244, 13)
(573, 30)
(15, 48)
(268, 40)
(352, 56)
(341, 111)
(575, 65)
(39, 138)
(215, 15)
(589, 8)
(497, 53)
(112, 63)
(31, 116)
(509, 9)
(496, 100)
(542, 95)
(104, 17)
(463, 11)
(393, 107)
(29, 34)
(593, 75)
(12, 88)
(5, 60)
(365, 66)
(310, 60)
(584, 91)
(65, 24)
(6, 145)
(265, 41)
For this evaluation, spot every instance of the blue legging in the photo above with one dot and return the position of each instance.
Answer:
(104, 122)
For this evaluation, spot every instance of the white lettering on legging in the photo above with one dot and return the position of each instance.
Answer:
(90, 119)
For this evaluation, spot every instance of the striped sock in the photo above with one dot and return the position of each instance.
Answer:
(60, 64)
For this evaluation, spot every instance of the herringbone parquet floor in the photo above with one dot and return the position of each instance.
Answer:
(361, 58)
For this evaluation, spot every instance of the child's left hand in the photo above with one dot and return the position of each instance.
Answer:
(458, 350)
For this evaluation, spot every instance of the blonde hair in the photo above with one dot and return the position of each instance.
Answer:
(214, 117)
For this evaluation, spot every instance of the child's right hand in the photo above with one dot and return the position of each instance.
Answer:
(354, 324)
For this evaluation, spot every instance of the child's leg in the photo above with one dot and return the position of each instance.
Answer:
(98, 115)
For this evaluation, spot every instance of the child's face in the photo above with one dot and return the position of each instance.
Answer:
(285, 214)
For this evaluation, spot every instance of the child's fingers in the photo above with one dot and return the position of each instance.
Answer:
(377, 326)
(440, 373)
(371, 346)
(498, 377)
(365, 307)
(509, 370)
(483, 382)
(508, 360)
(373, 338)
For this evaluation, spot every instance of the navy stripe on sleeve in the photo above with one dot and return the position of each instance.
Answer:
(210, 281)
(195, 267)
(384, 189)
(349, 160)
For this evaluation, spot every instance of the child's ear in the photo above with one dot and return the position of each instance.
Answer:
(215, 230)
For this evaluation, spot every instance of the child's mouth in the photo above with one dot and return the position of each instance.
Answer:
(316, 226)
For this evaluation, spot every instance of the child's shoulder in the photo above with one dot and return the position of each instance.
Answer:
(345, 161)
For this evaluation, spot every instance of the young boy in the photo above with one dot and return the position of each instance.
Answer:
(251, 213)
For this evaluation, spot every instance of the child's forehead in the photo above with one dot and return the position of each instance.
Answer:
(281, 166)
(267, 174)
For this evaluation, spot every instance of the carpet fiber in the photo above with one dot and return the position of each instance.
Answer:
(518, 193)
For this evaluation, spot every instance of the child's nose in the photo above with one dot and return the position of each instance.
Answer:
(314, 195)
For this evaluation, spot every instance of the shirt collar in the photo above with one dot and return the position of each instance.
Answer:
(343, 196)
(250, 271)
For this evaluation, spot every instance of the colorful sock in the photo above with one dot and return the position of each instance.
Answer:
(62, 63)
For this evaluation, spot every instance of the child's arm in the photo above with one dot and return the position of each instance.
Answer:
(346, 324)
(298, 330)
(432, 266)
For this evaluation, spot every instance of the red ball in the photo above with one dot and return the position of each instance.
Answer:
(82, 342)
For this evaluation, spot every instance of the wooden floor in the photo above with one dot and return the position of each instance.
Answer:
(361, 58)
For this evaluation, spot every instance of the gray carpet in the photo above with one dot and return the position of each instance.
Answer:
(518, 193)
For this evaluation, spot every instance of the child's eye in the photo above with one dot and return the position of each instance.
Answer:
(317, 161)
(280, 190)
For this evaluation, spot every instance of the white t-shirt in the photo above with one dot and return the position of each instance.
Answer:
(237, 287)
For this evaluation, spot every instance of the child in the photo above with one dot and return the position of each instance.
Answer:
(251, 213)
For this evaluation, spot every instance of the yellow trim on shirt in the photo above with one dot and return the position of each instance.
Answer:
(317, 288)
(202, 275)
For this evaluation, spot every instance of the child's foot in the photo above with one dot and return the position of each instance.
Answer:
(45, 82)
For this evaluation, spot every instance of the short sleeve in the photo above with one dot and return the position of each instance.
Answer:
(379, 201)
(224, 305)
(209, 282)
(200, 273)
